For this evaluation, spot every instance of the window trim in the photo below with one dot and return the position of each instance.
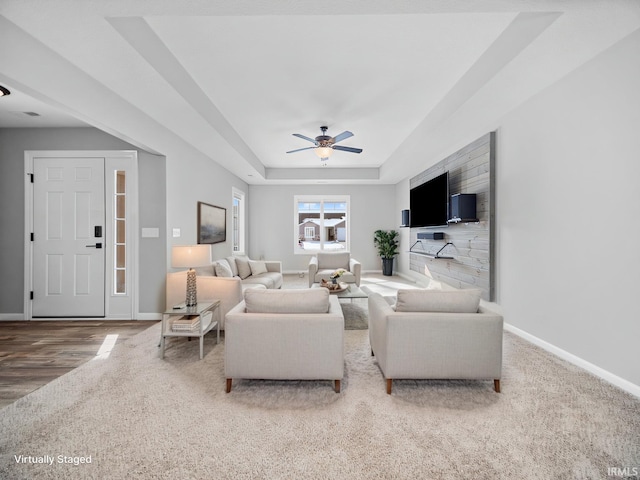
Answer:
(322, 199)
(241, 197)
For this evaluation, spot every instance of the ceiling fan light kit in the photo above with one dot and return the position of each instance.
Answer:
(325, 144)
(323, 152)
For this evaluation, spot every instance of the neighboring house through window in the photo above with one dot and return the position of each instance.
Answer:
(321, 222)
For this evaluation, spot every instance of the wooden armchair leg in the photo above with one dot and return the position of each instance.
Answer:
(389, 383)
(337, 386)
(229, 381)
(496, 385)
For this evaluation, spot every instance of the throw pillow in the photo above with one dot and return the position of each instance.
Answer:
(232, 263)
(333, 260)
(208, 270)
(446, 301)
(244, 270)
(306, 300)
(223, 269)
(257, 267)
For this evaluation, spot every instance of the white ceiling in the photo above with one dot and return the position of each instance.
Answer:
(231, 81)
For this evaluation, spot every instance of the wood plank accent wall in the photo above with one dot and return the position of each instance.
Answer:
(471, 170)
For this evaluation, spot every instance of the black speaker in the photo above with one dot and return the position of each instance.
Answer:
(405, 218)
(430, 235)
(463, 207)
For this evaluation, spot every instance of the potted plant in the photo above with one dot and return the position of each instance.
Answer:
(387, 244)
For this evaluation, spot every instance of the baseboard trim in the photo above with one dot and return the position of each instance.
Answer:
(621, 383)
(304, 273)
(300, 273)
(16, 317)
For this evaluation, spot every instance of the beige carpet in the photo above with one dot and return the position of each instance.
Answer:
(138, 416)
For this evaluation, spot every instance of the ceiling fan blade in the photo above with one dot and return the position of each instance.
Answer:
(300, 149)
(304, 138)
(342, 136)
(347, 149)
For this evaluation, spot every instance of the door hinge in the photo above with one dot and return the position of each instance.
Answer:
(31, 295)
(32, 236)
(31, 175)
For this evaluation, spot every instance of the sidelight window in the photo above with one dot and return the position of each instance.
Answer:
(120, 243)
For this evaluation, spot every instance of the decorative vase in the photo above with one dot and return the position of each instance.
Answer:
(192, 296)
(334, 281)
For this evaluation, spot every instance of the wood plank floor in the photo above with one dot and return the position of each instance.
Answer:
(33, 353)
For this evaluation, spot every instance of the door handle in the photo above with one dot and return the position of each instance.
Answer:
(97, 245)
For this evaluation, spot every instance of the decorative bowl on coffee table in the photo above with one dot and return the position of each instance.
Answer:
(334, 287)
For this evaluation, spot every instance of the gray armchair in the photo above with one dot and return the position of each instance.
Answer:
(435, 334)
(325, 263)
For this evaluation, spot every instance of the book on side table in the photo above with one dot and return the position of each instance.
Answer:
(187, 323)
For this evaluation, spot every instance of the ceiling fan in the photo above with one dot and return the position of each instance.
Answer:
(325, 144)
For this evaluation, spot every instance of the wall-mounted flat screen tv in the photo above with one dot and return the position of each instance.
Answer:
(429, 202)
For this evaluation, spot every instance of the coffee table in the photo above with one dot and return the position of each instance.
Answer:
(352, 291)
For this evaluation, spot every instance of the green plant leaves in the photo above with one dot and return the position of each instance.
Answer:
(386, 242)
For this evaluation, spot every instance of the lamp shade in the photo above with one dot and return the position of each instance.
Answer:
(188, 256)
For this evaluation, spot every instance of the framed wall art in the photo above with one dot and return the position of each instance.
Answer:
(212, 223)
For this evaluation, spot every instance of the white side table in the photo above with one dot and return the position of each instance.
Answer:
(205, 310)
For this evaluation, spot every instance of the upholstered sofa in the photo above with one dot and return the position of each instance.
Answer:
(435, 334)
(249, 272)
(323, 264)
(285, 335)
(226, 280)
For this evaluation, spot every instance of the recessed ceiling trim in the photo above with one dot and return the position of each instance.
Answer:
(520, 33)
(137, 32)
(322, 173)
(46, 79)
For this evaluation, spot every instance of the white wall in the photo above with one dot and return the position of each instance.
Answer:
(402, 260)
(271, 220)
(567, 202)
(151, 193)
(193, 180)
(568, 167)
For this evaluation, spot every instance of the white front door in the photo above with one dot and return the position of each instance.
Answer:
(68, 242)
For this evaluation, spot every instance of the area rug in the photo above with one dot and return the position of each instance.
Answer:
(355, 315)
(136, 416)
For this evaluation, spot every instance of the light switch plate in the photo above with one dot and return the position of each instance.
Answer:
(148, 232)
(176, 232)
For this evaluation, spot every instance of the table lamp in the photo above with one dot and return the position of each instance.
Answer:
(189, 256)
